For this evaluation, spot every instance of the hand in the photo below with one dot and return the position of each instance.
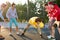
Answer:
(4, 20)
(17, 18)
(8, 19)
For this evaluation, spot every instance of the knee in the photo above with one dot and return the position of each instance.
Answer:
(55, 25)
(59, 25)
(28, 25)
(16, 24)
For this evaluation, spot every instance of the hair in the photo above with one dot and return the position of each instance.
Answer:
(52, 3)
(38, 20)
(46, 4)
(13, 4)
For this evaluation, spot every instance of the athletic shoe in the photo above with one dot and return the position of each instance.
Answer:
(49, 36)
(52, 38)
(10, 33)
(22, 34)
(17, 33)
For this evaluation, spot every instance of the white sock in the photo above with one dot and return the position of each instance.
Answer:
(10, 33)
(17, 33)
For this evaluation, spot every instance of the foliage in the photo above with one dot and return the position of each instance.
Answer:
(23, 15)
(58, 2)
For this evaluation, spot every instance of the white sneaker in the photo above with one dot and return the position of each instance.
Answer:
(21, 30)
(17, 33)
(53, 39)
(10, 33)
(49, 36)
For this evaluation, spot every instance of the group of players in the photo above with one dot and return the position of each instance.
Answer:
(53, 13)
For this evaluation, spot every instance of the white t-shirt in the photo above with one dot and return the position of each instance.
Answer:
(1, 16)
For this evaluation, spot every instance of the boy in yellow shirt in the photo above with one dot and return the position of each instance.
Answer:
(36, 22)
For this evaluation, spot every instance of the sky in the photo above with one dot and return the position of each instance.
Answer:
(15, 1)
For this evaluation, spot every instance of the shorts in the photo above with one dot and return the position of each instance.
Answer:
(51, 23)
(13, 20)
(57, 23)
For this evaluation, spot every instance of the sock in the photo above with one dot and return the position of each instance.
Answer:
(24, 31)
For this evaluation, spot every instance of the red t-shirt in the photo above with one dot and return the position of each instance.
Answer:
(49, 12)
(56, 12)
(58, 18)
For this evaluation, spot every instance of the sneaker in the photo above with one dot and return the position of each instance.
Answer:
(17, 33)
(21, 30)
(22, 34)
(49, 36)
(41, 35)
(52, 38)
(10, 33)
(1, 37)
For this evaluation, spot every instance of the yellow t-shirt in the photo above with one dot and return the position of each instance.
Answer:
(33, 23)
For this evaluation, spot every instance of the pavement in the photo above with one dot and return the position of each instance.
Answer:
(31, 33)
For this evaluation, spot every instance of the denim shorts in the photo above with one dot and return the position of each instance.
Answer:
(13, 20)
(51, 23)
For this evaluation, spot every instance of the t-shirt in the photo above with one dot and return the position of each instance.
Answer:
(56, 12)
(33, 23)
(11, 13)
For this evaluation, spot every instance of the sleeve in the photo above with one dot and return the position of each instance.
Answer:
(16, 14)
(55, 13)
(1, 11)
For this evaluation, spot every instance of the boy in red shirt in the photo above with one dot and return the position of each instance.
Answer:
(53, 15)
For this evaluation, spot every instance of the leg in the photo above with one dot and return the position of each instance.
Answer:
(10, 29)
(59, 28)
(2, 18)
(10, 25)
(25, 29)
(39, 30)
(0, 28)
(16, 24)
(52, 32)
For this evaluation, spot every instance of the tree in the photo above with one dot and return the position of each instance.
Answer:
(58, 2)
(22, 12)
